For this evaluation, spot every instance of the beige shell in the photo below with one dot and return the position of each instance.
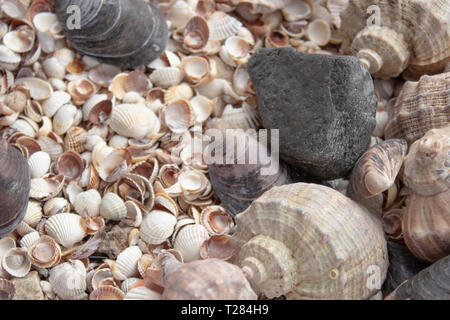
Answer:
(157, 226)
(210, 279)
(51, 146)
(189, 240)
(29, 239)
(127, 284)
(216, 220)
(90, 201)
(142, 293)
(112, 207)
(126, 264)
(420, 106)
(244, 117)
(426, 165)
(107, 293)
(68, 280)
(54, 102)
(222, 25)
(47, 187)
(56, 205)
(33, 214)
(45, 252)
(133, 120)
(39, 163)
(426, 226)
(65, 228)
(377, 169)
(16, 262)
(115, 165)
(167, 77)
(410, 32)
(66, 117)
(277, 247)
(75, 139)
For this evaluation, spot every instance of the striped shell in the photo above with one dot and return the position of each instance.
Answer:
(65, 228)
(278, 246)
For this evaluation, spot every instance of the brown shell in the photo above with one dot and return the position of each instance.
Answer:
(210, 279)
(420, 106)
(432, 283)
(426, 166)
(308, 241)
(376, 170)
(426, 226)
(14, 187)
(410, 32)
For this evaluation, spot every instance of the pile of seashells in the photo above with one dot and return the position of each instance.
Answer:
(108, 147)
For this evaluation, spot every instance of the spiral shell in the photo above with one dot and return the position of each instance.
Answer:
(102, 22)
(277, 247)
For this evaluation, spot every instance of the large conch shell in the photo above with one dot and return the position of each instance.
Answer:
(388, 36)
(14, 187)
(420, 106)
(308, 241)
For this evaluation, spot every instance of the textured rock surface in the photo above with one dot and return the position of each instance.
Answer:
(323, 105)
(116, 240)
(28, 288)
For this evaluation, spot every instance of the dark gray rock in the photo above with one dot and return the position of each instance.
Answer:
(323, 105)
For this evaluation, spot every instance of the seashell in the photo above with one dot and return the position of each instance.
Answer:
(167, 77)
(23, 126)
(107, 293)
(142, 293)
(222, 26)
(145, 19)
(277, 256)
(7, 290)
(189, 240)
(76, 66)
(420, 106)
(34, 110)
(39, 89)
(9, 60)
(53, 68)
(54, 102)
(115, 165)
(196, 34)
(425, 166)
(298, 10)
(90, 201)
(431, 283)
(70, 164)
(65, 118)
(65, 228)
(210, 279)
(134, 214)
(39, 163)
(29, 239)
(6, 244)
(134, 121)
(244, 117)
(377, 169)
(178, 116)
(127, 284)
(137, 81)
(33, 214)
(126, 264)
(319, 32)
(216, 220)
(276, 39)
(45, 252)
(75, 139)
(242, 83)
(179, 14)
(236, 190)
(235, 51)
(409, 33)
(402, 266)
(68, 280)
(112, 207)
(202, 107)
(51, 145)
(16, 100)
(16, 262)
(46, 128)
(81, 90)
(72, 190)
(14, 187)
(55, 206)
(97, 109)
(197, 70)
(157, 226)
(217, 247)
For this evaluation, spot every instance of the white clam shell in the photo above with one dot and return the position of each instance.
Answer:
(33, 214)
(157, 226)
(39, 163)
(65, 118)
(126, 263)
(65, 228)
(223, 26)
(29, 239)
(8, 58)
(19, 40)
(56, 101)
(134, 120)
(112, 207)
(68, 280)
(189, 241)
(39, 89)
(44, 21)
(167, 77)
(89, 200)
(16, 262)
(53, 68)
(56, 205)
(142, 293)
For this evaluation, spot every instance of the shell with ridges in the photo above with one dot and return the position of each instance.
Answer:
(188, 241)
(126, 264)
(157, 226)
(134, 121)
(34, 213)
(68, 280)
(89, 200)
(65, 228)
(112, 207)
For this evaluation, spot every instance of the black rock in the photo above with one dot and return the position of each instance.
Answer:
(323, 105)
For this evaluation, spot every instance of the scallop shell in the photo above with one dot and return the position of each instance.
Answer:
(65, 228)
(16, 262)
(426, 165)
(157, 226)
(167, 77)
(112, 207)
(29, 239)
(68, 280)
(90, 201)
(178, 115)
(277, 247)
(244, 117)
(126, 264)
(33, 214)
(189, 240)
(410, 32)
(420, 106)
(196, 34)
(142, 293)
(222, 25)
(107, 293)
(377, 169)
(134, 121)
(65, 118)
(75, 139)
(50, 146)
